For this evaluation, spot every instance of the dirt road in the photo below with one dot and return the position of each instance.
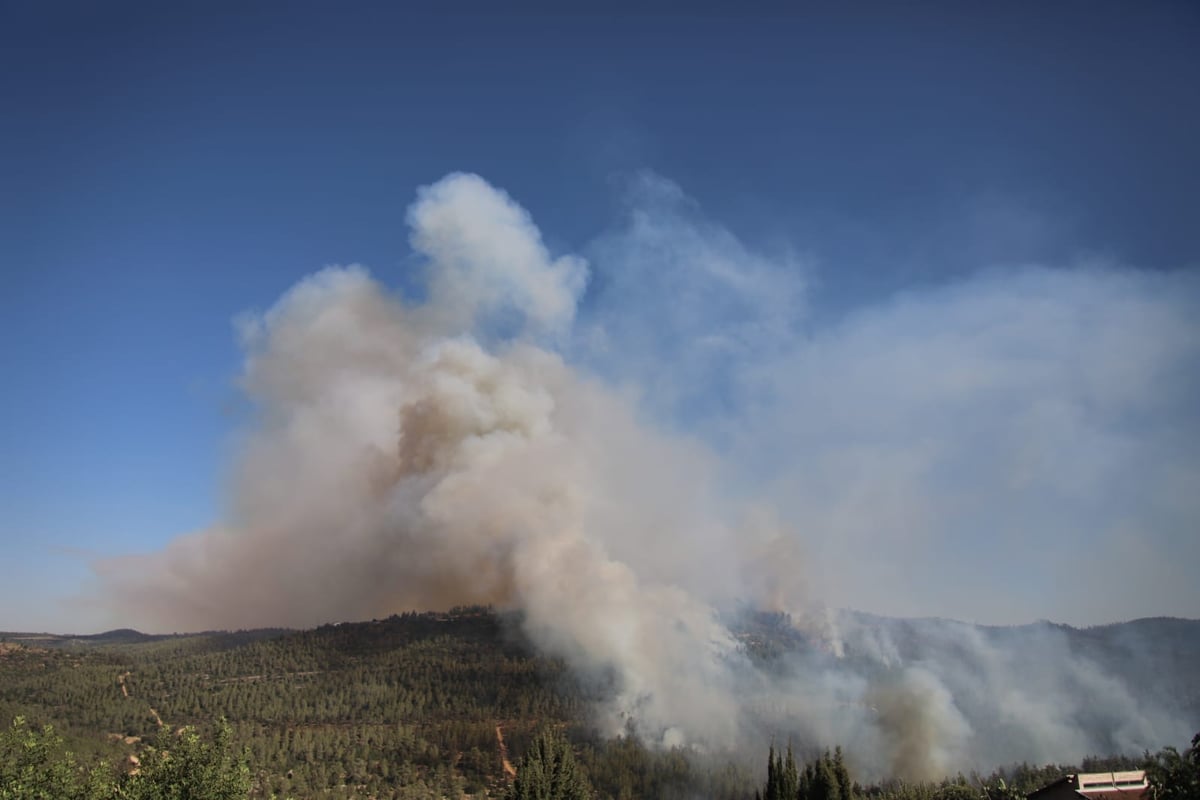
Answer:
(509, 770)
(125, 693)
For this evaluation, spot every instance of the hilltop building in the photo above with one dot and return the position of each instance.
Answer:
(1129, 785)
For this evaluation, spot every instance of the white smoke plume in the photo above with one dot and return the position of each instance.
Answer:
(405, 457)
(490, 443)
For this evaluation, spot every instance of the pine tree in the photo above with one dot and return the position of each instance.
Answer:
(808, 780)
(842, 775)
(823, 785)
(791, 780)
(771, 792)
(548, 772)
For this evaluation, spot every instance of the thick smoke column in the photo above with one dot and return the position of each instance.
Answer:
(408, 456)
(426, 454)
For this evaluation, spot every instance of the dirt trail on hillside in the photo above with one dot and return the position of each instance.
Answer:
(509, 770)
(125, 693)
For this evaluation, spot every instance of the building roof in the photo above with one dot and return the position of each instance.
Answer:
(1129, 785)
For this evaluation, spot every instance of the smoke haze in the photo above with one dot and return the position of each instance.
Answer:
(628, 447)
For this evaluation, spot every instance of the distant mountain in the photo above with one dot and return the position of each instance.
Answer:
(121, 636)
(117, 636)
(128, 636)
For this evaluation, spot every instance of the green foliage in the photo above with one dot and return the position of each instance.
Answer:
(957, 791)
(34, 766)
(783, 781)
(1173, 775)
(823, 778)
(184, 766)
(548, 772)
(841, 775)
(1002, 790)
(406, 706)
(625, 769)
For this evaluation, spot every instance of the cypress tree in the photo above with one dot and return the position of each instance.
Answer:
(771, 792)
(807, 783)
(549, 772)
(842, 775)
(824, 785)
(790, 784)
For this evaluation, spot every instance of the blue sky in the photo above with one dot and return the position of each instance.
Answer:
(165, 168)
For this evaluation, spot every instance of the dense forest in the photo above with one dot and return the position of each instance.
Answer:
(416, 705)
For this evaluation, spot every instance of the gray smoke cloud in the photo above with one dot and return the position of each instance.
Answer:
(627, 463)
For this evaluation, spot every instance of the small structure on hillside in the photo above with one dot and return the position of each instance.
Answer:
(1129, 785)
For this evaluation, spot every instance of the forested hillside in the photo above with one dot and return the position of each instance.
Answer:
(412, 701)
(416, 705)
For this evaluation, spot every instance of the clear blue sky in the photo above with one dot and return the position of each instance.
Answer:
(166, 166)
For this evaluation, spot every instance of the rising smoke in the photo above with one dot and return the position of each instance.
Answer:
(615, 463)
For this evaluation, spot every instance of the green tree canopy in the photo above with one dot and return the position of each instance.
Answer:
(185, 766)
(34, 766)
(180, 766)
(1173, 775)
(548, 771)
(823, 778)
